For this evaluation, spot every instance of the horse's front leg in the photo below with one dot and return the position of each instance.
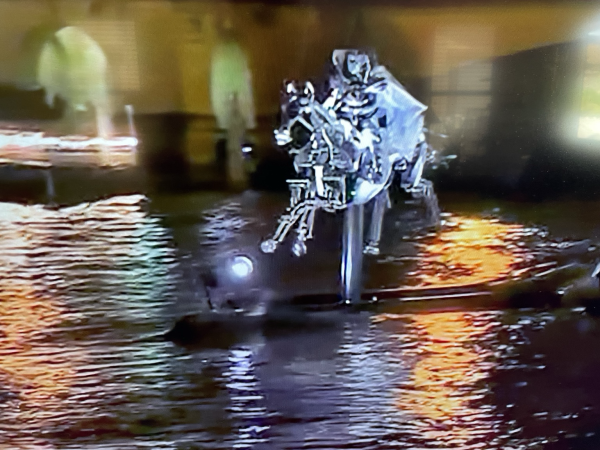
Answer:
(304, 230)
(286, 222)
(380, 204)
(302, 212)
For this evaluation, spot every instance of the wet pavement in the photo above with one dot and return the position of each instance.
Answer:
(89, 291)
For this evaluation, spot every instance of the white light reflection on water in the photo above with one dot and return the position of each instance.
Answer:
(86, 290)
(69, 275)
(370, 367)
(401, 381)
(223, 224)
(247, 402)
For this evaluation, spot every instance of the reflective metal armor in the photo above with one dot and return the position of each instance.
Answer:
(348, 139)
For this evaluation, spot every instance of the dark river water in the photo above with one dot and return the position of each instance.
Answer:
(87, 293)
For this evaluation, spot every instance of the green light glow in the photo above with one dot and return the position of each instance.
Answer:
(230, 75)
(73, 66)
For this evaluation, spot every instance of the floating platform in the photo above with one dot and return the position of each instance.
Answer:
(37, 149)
(38, 166)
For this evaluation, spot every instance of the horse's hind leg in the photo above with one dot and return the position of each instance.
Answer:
(380, 204)
(427, 193)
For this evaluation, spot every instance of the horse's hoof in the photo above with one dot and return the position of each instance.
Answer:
(268, 246)
(299, 248)
(371, 249)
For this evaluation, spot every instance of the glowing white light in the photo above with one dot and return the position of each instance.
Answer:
(38, 149)
(25, 139)
(242, 266)
(246, 149)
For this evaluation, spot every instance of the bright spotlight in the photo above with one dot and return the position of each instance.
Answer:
(242, 266)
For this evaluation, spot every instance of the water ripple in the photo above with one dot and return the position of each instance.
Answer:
(87, 291)
(95, 263)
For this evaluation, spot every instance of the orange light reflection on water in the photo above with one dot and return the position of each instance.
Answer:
(471, 251)
(38, 380)
(447, 382)
(452, 350)
(37, 370)
(55, 380)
